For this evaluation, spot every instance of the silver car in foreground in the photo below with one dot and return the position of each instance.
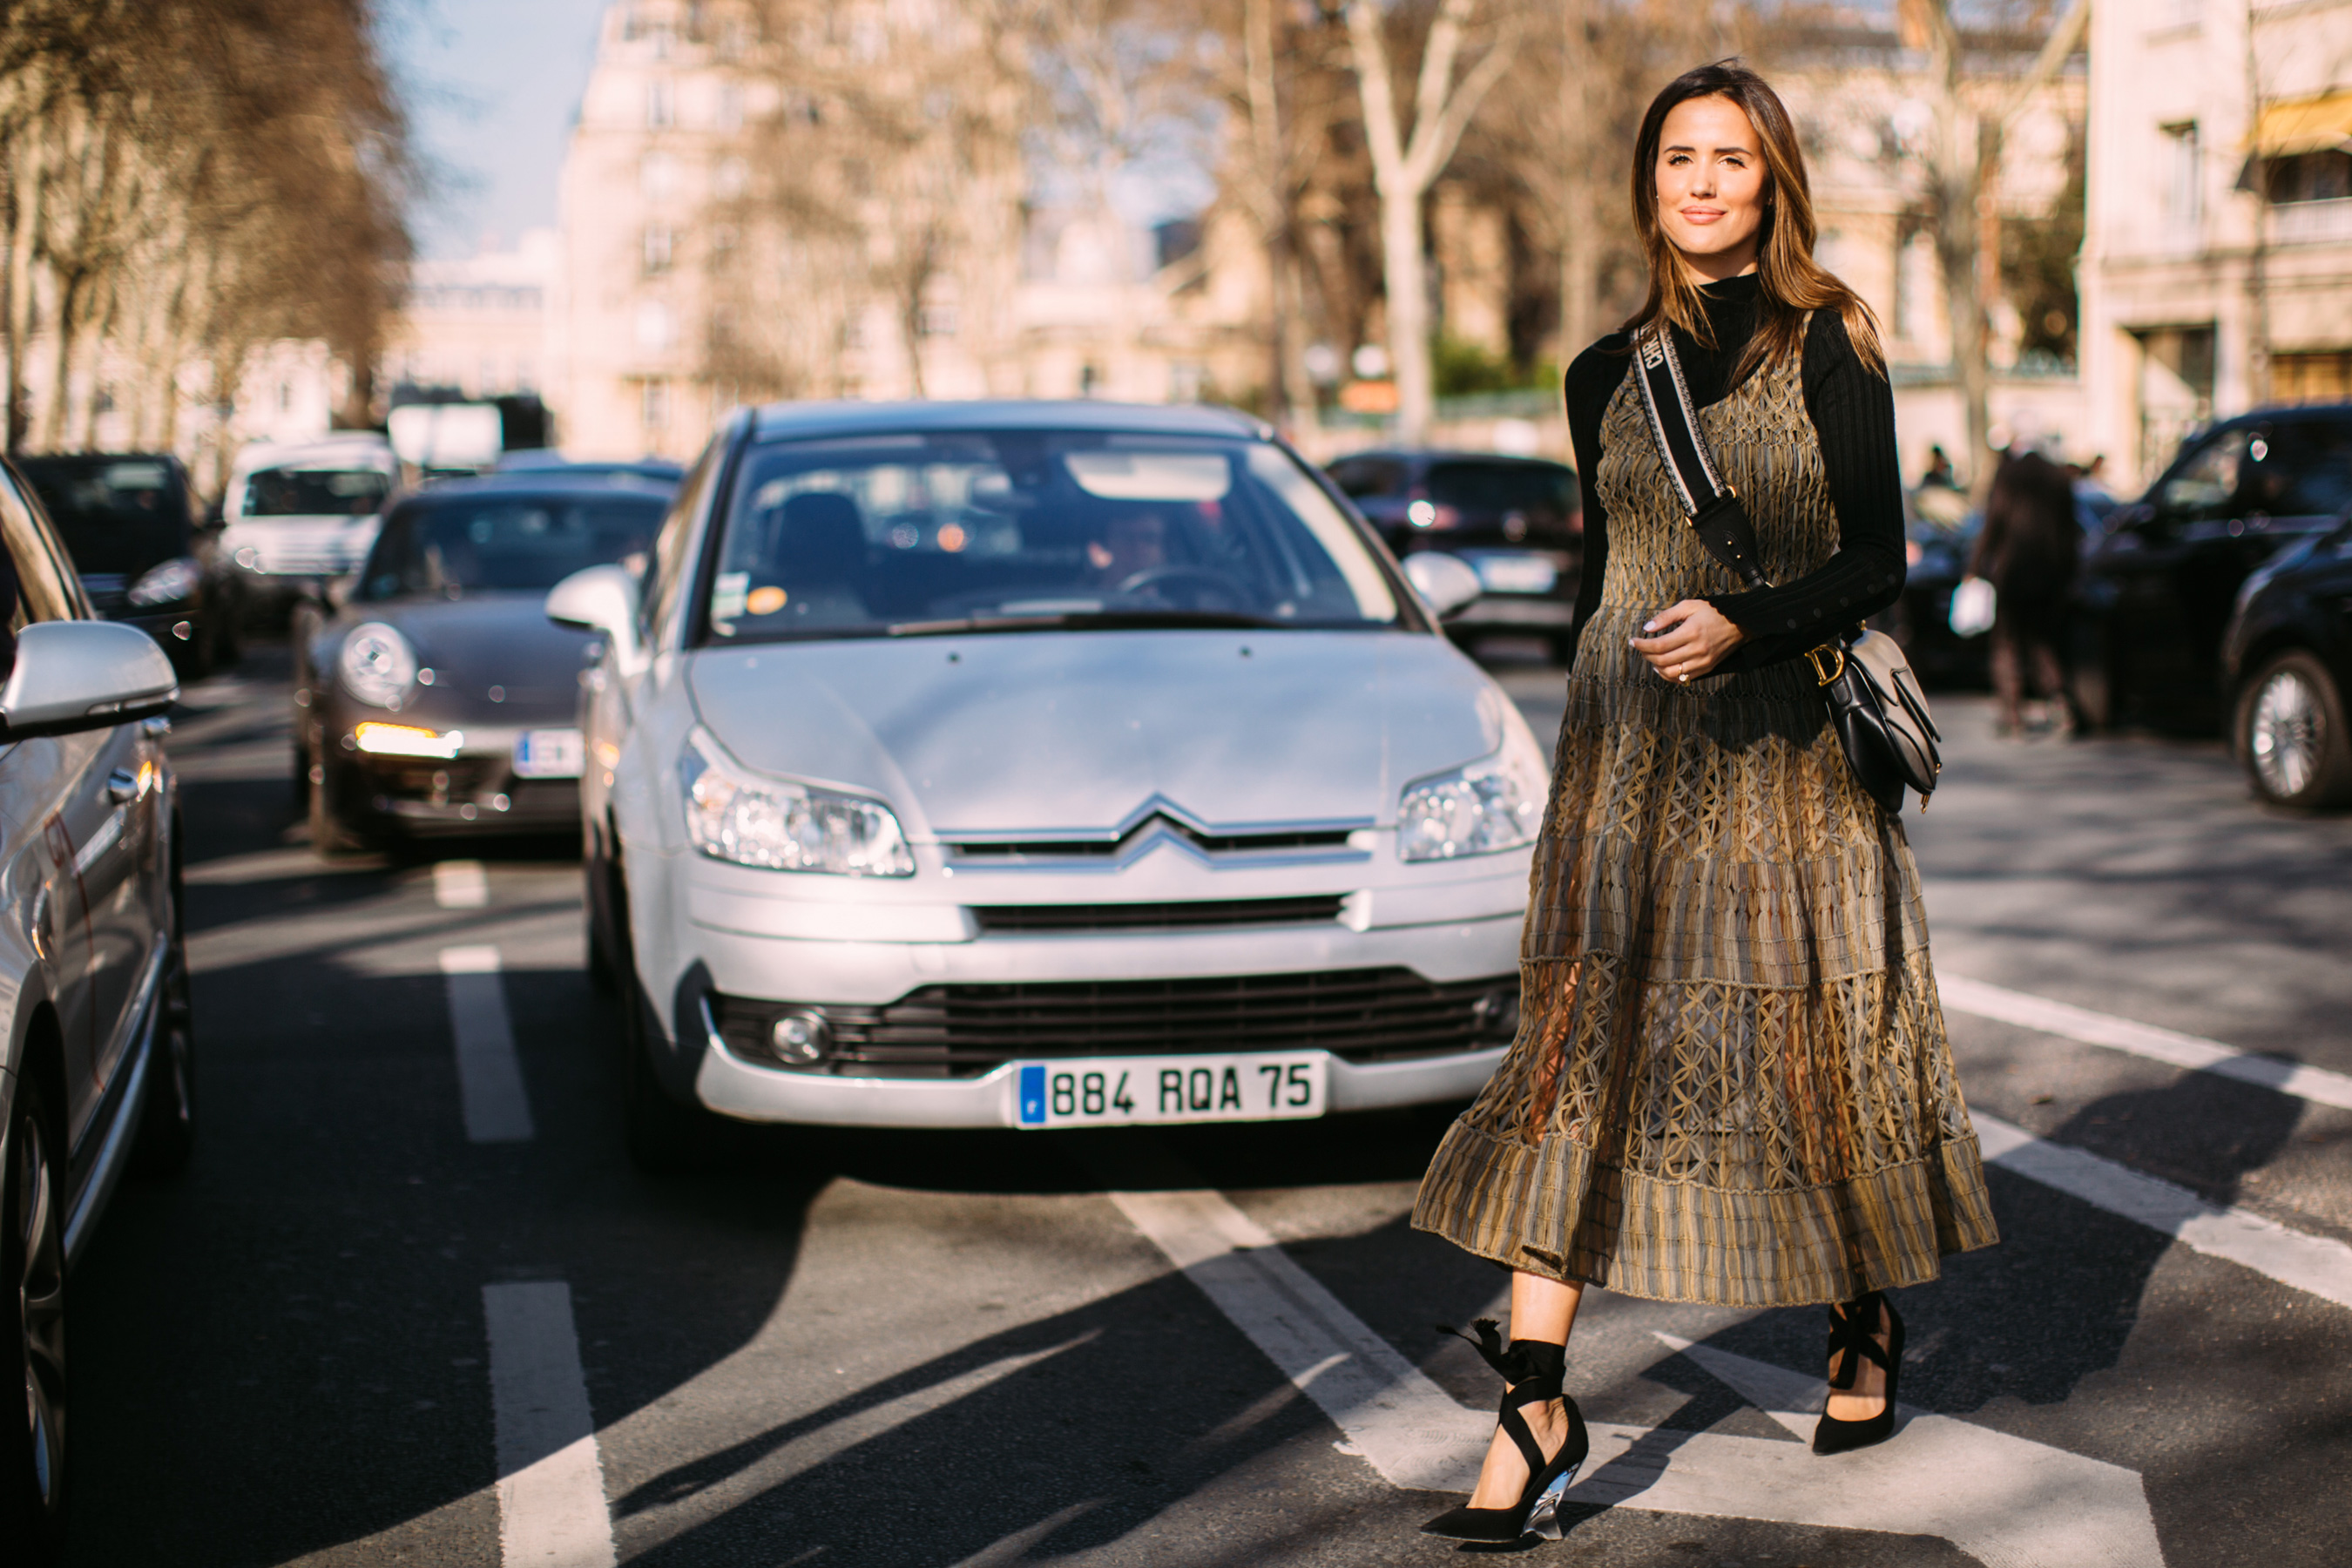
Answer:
(94, 1060)
(1040, 765)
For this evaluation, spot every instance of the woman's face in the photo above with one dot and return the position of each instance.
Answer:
(1711, 183)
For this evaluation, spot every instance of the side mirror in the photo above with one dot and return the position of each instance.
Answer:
(599, 599)
(1445, 583)
(84, 675)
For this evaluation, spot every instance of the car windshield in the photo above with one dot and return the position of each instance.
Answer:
(315, 492)
(1504, 487)
(904, 535)
(121, 515)
(449, 548)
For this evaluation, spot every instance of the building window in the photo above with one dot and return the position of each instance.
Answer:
(658, 176)
(730, 179)
(2323, 177)
(730, 107)
(2185, 190)
(653, 404)
(658, 244)
(937, 322)
(661, 104)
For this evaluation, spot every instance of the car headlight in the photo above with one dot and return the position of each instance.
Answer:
(173, 580)
(1496, 803)
(782, 826)
(377, 665)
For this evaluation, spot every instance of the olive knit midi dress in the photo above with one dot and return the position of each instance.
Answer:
(1730, 1083)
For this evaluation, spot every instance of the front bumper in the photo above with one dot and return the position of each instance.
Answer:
(733, 1087)
(1451, 927)
(475, 791)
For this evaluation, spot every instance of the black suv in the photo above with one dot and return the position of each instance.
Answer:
(126, 519)
(1519, 522)
(2158, 592)
(2287, 664)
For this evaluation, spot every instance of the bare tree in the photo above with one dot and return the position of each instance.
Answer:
(174, 194)
(1406, 161)
(1963, 171)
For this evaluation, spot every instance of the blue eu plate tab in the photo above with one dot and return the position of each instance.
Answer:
(1033, 1094)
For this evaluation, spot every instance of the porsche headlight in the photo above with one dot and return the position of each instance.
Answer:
(164, 585)
(377, 665)
(781, 826)
(1496, 803)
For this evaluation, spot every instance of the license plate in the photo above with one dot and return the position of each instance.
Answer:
(1517, 574)
(1135, 1091)
(550, 754)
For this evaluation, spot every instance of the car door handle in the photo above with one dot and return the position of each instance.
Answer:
(121, 785)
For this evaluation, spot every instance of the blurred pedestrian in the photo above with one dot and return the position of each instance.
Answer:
(1730, 1083)
(2028, 549)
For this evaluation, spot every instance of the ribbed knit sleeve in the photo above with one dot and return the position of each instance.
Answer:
(1592, 381)
(1852, 410)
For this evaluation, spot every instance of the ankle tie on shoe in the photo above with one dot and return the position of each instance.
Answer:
(1851, 1328)
(1536, 1367)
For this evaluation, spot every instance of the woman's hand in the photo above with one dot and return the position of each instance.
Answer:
(1694, 638)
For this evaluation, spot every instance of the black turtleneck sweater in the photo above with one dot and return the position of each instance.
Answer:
(1852, 410)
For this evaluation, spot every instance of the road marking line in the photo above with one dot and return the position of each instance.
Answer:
(2315, 1084)
(551, 1507)
(2317, 1264)
(490, 1078)
(461, 885)
(2008, 1502)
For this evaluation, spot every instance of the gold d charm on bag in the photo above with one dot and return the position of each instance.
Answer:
(1813, 657)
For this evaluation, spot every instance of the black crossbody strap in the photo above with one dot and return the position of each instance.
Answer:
(1713, 507)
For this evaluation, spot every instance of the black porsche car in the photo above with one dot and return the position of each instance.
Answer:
(127, 519)
(437, 698)
(2156, 595)
(1516, 522)
(2287, 667)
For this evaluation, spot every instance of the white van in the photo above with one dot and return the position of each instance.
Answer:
(299, 514)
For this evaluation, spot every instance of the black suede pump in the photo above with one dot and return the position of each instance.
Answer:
(1852, 1327)
(1534, 1371)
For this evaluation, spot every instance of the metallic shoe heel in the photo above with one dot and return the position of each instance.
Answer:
(1533, 1370)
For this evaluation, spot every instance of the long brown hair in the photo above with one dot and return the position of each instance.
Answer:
(1790, 282)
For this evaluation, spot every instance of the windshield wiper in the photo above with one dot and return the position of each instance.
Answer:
(1091, 620)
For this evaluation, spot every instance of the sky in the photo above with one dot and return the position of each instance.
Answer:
(492, 87)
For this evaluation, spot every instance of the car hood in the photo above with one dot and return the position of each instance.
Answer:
(473, 643)
(1087, 731)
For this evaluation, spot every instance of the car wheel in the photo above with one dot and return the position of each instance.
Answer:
(332, 832)
(33, 1267)
(666, 1138)
(606, 907)
(2290, 733)
(167, 1127)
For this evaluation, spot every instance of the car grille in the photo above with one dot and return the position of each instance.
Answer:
(963, 1031)
(1002, 918)
(1213, 843)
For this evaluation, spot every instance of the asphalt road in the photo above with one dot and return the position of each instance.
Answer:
(933, 1350)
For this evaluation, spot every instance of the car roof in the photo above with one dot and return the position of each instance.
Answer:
(89, 459)
(358, 444)
(812, 419)
(1448, 455)
(551, 483)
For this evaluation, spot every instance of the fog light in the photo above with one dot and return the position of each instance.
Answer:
(1496, 1015)
(802, 1038)
(248, 557)
(182, 630)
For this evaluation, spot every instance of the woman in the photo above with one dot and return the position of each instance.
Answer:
(2028, 550)
(1730, 1083)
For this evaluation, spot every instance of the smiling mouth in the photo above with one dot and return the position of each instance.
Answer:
(1702, 215)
